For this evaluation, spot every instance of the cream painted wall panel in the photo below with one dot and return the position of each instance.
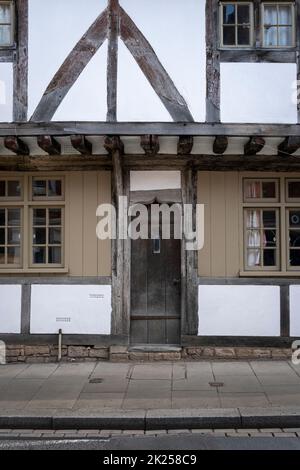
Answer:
(295, 310)
(218, 225)
(10, 309)
(90, 241)
(104, 246)
(204, 255)
(75, 309)
(232, 223)
(76, 224)
(239, 310)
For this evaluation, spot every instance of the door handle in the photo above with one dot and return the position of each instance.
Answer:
(176, 282)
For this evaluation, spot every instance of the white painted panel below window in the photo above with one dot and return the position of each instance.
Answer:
(258, 93)
(74, 309)
(295, 310)
(6, 92)
(239, 310)
(10, 308)
(154, 180)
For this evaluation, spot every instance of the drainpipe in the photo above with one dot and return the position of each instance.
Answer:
(59, 345)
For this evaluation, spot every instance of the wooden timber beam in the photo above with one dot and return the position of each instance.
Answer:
(20, 67)
(150, 144)
(254, 145)
(113, 143)
(81, 144)
(196, 129)
(70, 70)
(185, 145)
(49, 144)
(153, 70)
(112, 59)
(16, 145)
(220, 144)
(289, 146)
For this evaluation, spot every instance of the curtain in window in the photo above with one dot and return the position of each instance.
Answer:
(253, 190)
(253, 238)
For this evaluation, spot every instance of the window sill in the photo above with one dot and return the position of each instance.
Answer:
(269, 273)
(35, 271)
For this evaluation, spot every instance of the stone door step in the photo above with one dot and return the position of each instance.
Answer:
(152, 348)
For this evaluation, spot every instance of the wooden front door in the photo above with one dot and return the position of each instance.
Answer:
(155, 291)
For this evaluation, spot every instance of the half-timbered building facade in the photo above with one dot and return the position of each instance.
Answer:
(186, 102)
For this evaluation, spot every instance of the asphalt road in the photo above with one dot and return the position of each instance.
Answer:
(180, 442)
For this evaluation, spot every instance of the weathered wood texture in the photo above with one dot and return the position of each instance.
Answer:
(150, 144)
(112, 59)
(220, 144)
(16, 145)
(81, 144)
(185, 145)
(20, 67)
(298, 53)
(254, 145)
(153, 70)
(49, 144)
(71, 69)
(289, 146)
(258, 56)
(212, 63)
(62, 128)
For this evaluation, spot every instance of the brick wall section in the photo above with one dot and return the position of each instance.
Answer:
(46, 354)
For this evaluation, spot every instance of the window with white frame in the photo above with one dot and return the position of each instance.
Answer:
(236, 24)
(6, 23)
(32, 213)
(271, 219)
(278, 24)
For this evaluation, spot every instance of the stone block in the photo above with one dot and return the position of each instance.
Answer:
(98, 353)
(78, 351)
(37, 350)
(225, 352)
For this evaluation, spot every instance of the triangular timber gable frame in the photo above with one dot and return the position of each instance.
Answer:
(112, 23)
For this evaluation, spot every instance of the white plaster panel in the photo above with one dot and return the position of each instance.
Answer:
(295, 310)
(76, 309)
(154, 180)
(6, 92)
(10, 308)
(239, 310)
(261, 92)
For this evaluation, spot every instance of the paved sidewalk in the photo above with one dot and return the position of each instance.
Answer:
(108, 386)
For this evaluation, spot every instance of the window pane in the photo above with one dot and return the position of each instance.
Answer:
(54, 188)
(54, 236)
(2, 236)
(5, 13)
(229, 36)
(270, 12)
(13, 236)
(39, 236)
(269, 218)
(54, 255)
(39, 216)
(54, 216)
(269, 189)
(253, 258)
(243, 13)
(295, 238)
(294, 257)
(270, 239)
(2, 217)
(39, 188)
(253, 218)
(229, 14)
(294, 189)
(285, 15)
(5, 35)
(2, 188)
(285, 36)
(13, 189)
(270, 36)
(2, 255)
(14, 217)
(252, 190)
(294, 218)
(13, 255)
(39, 255)
(269, 258)
(243, 35)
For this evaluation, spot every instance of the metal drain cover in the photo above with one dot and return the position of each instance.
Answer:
(96, 381)
(216, 384)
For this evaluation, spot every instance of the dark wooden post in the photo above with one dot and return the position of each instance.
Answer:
(112, 59)
(20, 94)
(212, 62)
